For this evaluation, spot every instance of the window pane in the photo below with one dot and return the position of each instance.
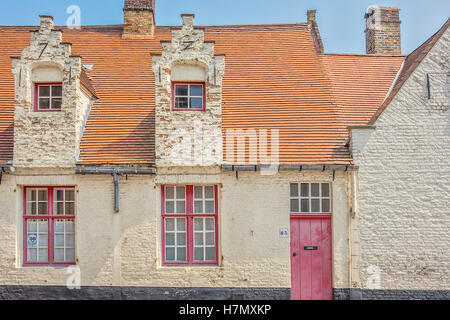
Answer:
(181, 239)
(170, 224)
(44, 103)
(181, 224)
(209, 192)
(56, 91)
(209, 238)
(170, 254)
(170, 239)
(70, 208)
(32, 226)
(181, 90)
(32, 255)
(56, 103)
(196, 91)
(198, 254)
(70, 240)
(31, 208)
(315, 205)
(170, 207)
(59, 255)
(198, 224)
(305, 205)
(196, 103)
(210, 226)
(70, 195)
(305, 190)
(181, 206)
(210, 254)
(70, 255)
(325, 190)
(43, 255)
(59, 240)
(42, 208)
(294, 189)
(42, 195)
(43, 226)
(315, 189)
(326, 205)
(198, 206)
(70, 226)
(198, 192)
(31, 195)
(209, 206)
(181, 254)
(60, 195)
(181, 103)
(294, 205)
(198, 239)
(181, 192)
(44, 91)
(170, 194)
(59, 226)
(43, 240)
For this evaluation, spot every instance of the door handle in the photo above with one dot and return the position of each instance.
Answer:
(294, 254)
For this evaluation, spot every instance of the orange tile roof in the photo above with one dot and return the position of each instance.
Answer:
(274, 79)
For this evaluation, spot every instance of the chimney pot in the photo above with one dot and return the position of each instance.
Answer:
(311, 16)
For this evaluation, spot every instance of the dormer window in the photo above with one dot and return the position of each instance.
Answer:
(48, 97)
(188, 96)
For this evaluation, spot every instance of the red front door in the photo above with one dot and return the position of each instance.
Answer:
(311, 257)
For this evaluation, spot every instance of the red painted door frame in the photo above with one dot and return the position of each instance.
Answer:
(311, 257)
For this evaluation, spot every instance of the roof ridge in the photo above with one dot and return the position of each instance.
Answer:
(365, 55)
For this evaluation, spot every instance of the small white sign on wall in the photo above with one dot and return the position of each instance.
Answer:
(284, 233)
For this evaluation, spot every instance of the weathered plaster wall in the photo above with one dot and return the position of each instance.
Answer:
(124, 249)
(404, 189)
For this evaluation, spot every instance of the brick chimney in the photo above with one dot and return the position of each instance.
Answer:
(139, 18)
(383, 30)
(314, 29)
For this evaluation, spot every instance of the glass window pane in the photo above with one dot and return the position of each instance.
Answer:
(305, 205)
(315, 205)
(181, 254)
(170, 224)
(209, 192)
(70, 240)
(70, 208)
(210, 226)
(181, 206)
(59, 255)
(32, 255)
(305, 190)
(56, 91)
(170, 192)
(181, 192)
(43, 255)
(70, 255)
(70, 226)
(209, 206)
(170, 207)
(181, 239)
(198, 206)
(59, 195)
(181, 224)
(31, 195)
(198, 192)
(42, 195)
(70, 195)
(44, 91)
(326, 205)
(210, 254)
(31, 208)
(43, 240)
(59, 226)
(60, 208)
(59, 240)
(32, 226)
(315, 189)
(181, 103)
(325, 190)
(198, 254)
(209, 238)
(198, 239)
(196, 91)
(181, 90)
(42, 208)
(43, 226)
(294, 205)
(44, 103)
(294, 189)
(196, 103)
(198, 224)
(170, 239)
(56, 103)
(170, 254)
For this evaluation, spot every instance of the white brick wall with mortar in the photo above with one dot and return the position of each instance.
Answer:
(47, 139)
(126, 249)
(404, 190)
(188, 138)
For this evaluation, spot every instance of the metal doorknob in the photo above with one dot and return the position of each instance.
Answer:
(295, 254)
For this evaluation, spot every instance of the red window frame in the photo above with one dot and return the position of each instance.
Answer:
(51, 217)
(189, 215)
(203, 84)
(36, 96)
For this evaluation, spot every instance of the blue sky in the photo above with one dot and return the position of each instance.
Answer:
(341, 22)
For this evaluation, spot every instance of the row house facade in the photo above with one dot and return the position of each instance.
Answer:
(222, 162)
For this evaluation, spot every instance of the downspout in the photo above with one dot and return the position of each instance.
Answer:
(115, 172)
